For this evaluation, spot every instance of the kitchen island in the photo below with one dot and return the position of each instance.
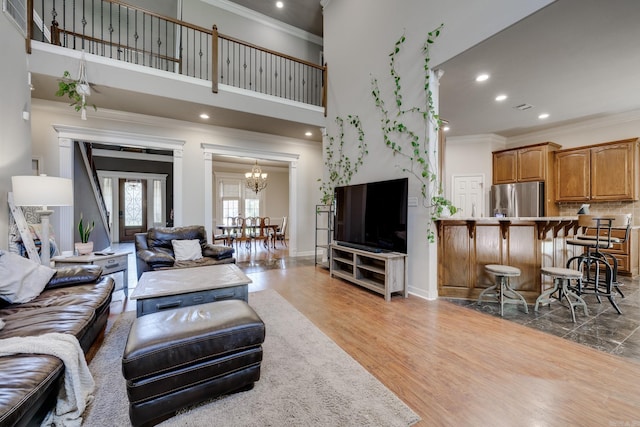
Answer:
(466, 245)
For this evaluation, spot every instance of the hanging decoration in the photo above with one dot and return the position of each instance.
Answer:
(77, 90)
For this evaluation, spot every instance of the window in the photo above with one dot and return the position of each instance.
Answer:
(158, 201)
(107, 195)
(234, 199)
(17, 11)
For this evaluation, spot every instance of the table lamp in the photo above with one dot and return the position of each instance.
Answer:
(44, 191)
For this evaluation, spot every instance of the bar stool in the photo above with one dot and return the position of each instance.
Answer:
(561, 283)
(599, 268)
(502, 291)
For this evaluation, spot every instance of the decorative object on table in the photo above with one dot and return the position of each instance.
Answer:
(584, 209)
(256, 180)
(84, 231)
(44, 191)
(76, 90)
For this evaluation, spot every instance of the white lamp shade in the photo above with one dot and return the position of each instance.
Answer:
(42, 190)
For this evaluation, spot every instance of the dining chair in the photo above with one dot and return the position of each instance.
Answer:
(262, 234)
(281, 234)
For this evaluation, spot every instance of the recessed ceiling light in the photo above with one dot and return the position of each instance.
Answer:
(501, 98)
(204, 116)
(279, 4)
(543, 116)
(482, 77)
(308, 133)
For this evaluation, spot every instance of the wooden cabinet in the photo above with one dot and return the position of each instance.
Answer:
(527, 164)
(573, 175)
(602, 172)
(505, 167)
(626, 252)
(532, 163)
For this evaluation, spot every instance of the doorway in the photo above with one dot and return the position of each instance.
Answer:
(468, 195)
(132, 208)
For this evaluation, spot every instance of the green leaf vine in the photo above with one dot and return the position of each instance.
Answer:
(69, 87)
(339, 165)
(413, 144)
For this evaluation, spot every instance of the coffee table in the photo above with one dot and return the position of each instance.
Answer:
(181, 287)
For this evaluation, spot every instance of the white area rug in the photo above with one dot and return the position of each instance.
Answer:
(306, 380)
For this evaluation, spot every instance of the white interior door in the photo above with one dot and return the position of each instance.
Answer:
(468, 195)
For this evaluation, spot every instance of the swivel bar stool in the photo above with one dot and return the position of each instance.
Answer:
(599, 268)
(562, 278)
(502, 291)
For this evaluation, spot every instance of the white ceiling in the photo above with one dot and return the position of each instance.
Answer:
(573, 59)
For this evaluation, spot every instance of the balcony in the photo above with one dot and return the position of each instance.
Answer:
(139, 61)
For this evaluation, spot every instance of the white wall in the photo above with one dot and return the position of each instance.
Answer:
(471, 155)
(46, 114)
(358, 36)
(15, 137)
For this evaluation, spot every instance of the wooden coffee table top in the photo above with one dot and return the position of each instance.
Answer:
(154, 284)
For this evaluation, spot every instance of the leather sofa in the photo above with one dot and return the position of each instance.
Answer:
(75, 301)
(154, 249)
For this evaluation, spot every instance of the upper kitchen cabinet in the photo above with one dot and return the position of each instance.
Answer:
(602, 172)
(523, 164)
(573, 175)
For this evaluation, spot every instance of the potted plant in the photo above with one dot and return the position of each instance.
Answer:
(84, 230)
(77, 92)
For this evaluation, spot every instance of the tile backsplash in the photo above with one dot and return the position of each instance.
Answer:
(603, 208)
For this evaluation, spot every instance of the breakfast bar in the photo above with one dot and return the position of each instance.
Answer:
(466, 245)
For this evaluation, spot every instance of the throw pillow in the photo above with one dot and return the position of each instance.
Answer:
(1, 324)
(21, 279)
(187, 250)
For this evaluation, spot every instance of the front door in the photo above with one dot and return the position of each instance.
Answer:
(133, 208)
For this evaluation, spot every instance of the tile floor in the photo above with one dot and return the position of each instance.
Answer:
(603, 328)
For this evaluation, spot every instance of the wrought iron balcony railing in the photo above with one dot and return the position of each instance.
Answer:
(120, 31)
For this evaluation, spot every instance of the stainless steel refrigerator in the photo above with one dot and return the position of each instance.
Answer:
(522, 199)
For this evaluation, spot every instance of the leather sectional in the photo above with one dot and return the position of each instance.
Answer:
(75, 301)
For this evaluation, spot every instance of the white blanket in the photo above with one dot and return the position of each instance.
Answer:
(78, 388)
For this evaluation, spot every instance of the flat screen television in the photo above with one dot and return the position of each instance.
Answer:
(372, 216)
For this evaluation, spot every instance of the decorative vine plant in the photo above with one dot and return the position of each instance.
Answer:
(339, 165)
(413, 143)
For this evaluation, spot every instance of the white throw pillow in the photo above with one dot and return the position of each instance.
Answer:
(21, 279)
(187, 250)
(1, 324)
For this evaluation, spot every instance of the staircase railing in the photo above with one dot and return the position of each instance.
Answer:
(94, 180)
(124, 32)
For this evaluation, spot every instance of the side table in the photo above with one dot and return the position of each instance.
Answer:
(113, 263)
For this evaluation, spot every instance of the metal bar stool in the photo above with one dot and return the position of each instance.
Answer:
(502, 291)
(599, 268)
(561, 283)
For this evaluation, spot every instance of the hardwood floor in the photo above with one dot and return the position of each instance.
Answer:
(457, 367)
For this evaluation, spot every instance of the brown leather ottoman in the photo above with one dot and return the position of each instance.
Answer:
(177, 358)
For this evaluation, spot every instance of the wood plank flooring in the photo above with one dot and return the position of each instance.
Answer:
(457, 367)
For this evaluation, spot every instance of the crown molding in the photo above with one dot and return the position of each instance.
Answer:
(265, 20)
(586, 125)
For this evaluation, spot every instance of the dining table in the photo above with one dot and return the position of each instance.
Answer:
(268, 230)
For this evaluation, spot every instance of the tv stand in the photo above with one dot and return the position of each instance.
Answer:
(384, 272)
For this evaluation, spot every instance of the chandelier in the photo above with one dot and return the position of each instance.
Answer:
(256, 180)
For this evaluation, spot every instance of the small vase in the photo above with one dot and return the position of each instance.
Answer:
(84, 248)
